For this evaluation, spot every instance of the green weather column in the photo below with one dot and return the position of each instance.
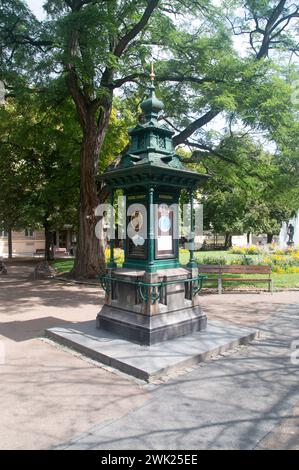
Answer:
(192, 262)
(151, 230)
(112, 263)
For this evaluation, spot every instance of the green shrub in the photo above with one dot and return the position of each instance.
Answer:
(248, 261)
(212, 260)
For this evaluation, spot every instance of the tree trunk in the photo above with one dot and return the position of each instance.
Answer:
(9, 243)
(270, 237)
(49, 243)
(248, 237)
(228, 240)
(94, 116)
(90, 252)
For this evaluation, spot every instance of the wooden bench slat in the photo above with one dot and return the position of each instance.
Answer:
(237, 270)
(245, 279)
(208, 268)
(221, 270)
(245, 269)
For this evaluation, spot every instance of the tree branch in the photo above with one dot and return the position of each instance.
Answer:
(124, 41)
(203, 152)
(193, 126)
(164, 78)
(72, 83)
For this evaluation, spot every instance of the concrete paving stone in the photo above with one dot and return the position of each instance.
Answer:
(232, 403)
(248, 399)
(149, 363)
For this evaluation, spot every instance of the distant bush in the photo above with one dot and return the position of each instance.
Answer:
(254, 250)
(281, 261)
(212, 260)
(247, 261)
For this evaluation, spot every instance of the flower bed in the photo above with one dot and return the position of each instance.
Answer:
(281, 261)
(118, 255)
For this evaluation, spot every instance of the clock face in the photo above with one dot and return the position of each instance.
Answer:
(164, 223)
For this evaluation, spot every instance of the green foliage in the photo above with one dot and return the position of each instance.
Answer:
(251, 194)
(213, 260)
(39, 175)
(80, 50)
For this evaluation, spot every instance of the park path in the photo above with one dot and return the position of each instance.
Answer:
(50, 396)
(247, 400)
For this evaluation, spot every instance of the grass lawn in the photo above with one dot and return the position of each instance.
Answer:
(285, 280)
(201, 255)
(63, 265)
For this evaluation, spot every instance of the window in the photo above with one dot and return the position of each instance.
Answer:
(162, 142)
(29, 232)
(141, 141)
(3, 233)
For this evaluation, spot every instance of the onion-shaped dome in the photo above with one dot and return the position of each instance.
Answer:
(152, 106)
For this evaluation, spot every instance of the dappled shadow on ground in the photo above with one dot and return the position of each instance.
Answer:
(48, 396)
(285, 436)
(29, 329)
(232, 403)
(244, 311)
(18, 294)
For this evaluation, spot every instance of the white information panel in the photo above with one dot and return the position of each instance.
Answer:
(165, 243)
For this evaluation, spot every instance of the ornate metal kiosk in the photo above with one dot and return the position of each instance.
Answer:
(151, 298)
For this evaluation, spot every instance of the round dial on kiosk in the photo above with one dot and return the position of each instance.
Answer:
(164, 223)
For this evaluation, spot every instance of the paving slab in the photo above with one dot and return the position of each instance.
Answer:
(249, 399)
(48, 395)
(231, 403)
(151, 362)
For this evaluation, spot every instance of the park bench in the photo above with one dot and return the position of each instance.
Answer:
(57, 251)
(61, 251)
(223, 270)
(39, 252)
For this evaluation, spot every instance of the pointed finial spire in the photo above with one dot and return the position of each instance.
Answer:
(152, 106)
(152, 74)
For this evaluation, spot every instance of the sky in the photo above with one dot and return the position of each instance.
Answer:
(37, 8)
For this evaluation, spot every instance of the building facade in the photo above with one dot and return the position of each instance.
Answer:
(26, 242)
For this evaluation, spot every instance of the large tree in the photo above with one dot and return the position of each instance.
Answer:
(253, 194)
(39, 165)
(91, 45)
(96, 47)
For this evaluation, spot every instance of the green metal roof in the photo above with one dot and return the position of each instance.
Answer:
(151, 157)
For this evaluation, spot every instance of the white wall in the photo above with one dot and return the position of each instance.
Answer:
(22, 245)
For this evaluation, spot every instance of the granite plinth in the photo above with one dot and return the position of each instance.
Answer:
(130, 312)
(148, 330)
(151, 362)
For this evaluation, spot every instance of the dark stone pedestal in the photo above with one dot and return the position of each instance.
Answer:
(146, 330)
(177, 313)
